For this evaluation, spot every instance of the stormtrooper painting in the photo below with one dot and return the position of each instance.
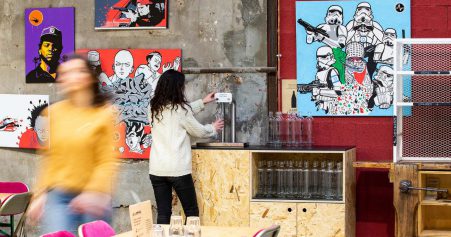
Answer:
(327, 78)
(333, 26)
(345, 58)
(129, 76)
(383, 53)
(363, 28)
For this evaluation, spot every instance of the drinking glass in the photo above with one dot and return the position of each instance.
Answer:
(157, 231)
(176, 227)
(192, 226)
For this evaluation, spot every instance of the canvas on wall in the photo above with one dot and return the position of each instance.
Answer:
(345, 53)
(22, 124)
(49, 40)
(131, 14)
(130, 77)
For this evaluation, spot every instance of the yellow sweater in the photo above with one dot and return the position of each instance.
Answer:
(81, 153)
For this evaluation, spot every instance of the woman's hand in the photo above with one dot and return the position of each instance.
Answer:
(209, 98)
(36, 209)
(92, 203)
(218, 124)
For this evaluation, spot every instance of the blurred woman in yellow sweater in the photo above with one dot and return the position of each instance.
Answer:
(76, 172)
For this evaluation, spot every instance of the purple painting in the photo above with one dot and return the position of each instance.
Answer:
(49, 39)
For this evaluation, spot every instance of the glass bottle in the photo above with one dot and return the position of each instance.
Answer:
(284, 129)
(270, 177)
(261, 170)
(307, 194)
(339, 181)
(315, 182)
(330, 191)
(290, 187)
(292, 129)
(270, 141)
(280, 179)
(277, 129)
(298, 129)
(323, 180)
(307, 128)
(299, 179)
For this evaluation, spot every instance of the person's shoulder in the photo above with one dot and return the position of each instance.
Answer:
(31, 76)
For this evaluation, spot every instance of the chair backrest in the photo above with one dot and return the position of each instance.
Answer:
(63, 233)
(13, 187)
(15, 204)
(96, 229)
(272, 231)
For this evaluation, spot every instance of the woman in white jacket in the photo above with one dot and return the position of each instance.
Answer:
(173, 123)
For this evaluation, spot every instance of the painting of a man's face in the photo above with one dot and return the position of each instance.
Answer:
(41, 128)
(123, 64)
(49, 51)
(154, 62)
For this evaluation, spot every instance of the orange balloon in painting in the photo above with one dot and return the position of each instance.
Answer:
(35, 18)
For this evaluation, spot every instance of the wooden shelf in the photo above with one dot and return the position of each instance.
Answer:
(435, 233)
(435, 203)
(373, 164)
(297, 201)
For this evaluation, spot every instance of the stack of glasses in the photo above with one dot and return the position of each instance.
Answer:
(288, 179)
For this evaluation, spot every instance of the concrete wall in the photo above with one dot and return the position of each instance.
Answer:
(211, 33)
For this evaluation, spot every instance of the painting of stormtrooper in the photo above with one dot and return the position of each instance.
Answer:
(131, 14)
(345, 53)
(23, 124)
(130, 77)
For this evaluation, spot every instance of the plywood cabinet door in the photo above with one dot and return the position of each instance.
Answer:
(221, 178)
(321, 220)
(265, 214)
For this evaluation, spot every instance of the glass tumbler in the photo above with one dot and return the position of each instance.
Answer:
(157, 231)
(176, 227)
(192, 226)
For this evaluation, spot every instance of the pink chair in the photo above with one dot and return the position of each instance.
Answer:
(272, 231)
(15, 201)
(59, 234)
(96, 229)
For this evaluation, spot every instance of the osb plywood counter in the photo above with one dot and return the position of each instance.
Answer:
(226, 184)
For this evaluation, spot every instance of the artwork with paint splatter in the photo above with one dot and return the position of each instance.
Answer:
(22, 123)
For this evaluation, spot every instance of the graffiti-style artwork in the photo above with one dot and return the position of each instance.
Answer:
(131, 14)
(130, 76)
(345, 53)
(49, 39)
(22, 123)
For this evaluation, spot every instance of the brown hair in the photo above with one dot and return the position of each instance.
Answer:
(100, 98)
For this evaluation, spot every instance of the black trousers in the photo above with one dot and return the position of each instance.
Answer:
(183, 186)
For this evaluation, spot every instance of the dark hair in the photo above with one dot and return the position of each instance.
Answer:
(100, 98)
(36, 111)
(168, 92)
(150, 55)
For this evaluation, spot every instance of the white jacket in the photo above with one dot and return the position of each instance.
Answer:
(170, 154)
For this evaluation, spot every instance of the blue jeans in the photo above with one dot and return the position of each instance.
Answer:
(58, 216)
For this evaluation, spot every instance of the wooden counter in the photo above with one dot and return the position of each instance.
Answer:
(225, 181)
